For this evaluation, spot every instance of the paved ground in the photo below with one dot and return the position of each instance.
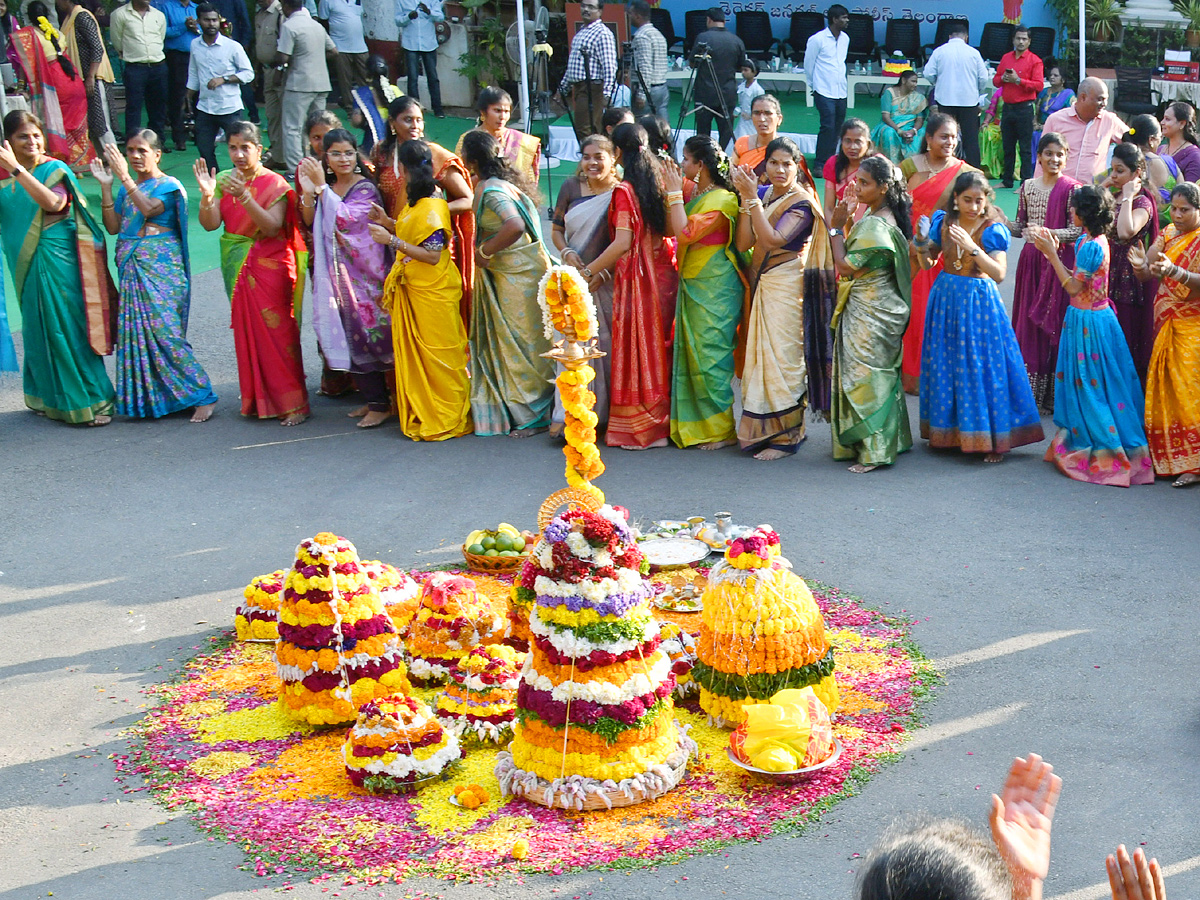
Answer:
(125, 547)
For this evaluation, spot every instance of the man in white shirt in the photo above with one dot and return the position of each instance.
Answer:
(217, 69)
(138, 32)
(345, 18)
(303, 46)
(825, 71)
(959, 75)
(418, 37)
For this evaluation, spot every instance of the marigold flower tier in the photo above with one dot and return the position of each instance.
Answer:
(479, 701)
(452, 620)
(397, 744)
(337, 647)
(596, 725)
(257, 619)
(761, 632)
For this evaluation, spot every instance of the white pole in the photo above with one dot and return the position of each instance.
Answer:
(1082, 42)
(526, 118)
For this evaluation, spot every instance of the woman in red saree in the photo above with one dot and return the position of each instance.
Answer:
(931, 174)
(639, 415)
(407, 122)
(265, 285)
(56, 90)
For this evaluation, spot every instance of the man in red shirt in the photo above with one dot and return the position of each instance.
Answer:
(1019, 77)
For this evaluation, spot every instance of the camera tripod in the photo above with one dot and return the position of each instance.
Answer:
(689, 91)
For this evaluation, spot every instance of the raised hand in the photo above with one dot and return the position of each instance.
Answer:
(8, 159)
(1131, 188)
(844, 209)
(1046, 241)
(116, 162)
(312, 174)
(233, 184)
(205, 180)
(377, 214)
(1134, 879)
(962, 237)
(1021, 818)
(1137, 256)
(745, 181)
(672, 175)
(923, 226)
(101, 173)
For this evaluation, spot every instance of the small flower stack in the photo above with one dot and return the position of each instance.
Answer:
(761, 632)
(258, 618)
(452, 620)
(337, 648)
(399, 592)
(395, 744)
(480, 699)
(595, 719)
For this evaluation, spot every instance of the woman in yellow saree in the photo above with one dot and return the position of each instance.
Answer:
(711, 294)
(423, 289)
(1173, 380)
(869, 415)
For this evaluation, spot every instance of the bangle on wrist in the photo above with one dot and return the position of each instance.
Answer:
(586, 271)
(484, 253)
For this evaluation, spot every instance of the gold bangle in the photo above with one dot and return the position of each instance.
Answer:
(209, 205)
(484, 253)
(245, 198)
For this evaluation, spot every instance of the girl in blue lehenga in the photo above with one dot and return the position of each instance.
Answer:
(975, 394)
(1098, 401)
(157, 374)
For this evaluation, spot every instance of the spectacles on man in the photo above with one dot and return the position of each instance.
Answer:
(588, 7)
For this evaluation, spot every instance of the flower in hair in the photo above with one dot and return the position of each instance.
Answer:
(1132, 130)
(723, 164)
(662, 154)
(46, 28)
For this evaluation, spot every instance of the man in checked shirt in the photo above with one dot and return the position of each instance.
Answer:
(589, 87)
(650, 59)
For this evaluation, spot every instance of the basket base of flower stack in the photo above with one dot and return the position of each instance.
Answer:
(588, 794)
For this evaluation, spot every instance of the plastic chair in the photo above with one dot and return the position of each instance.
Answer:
(1134, 96)
(754, 28)
(695, 21)
(804, 25)
(942, 34)
(904, 35)
(996, 40)
(1041, 42)
(661, 19)
(861, 30)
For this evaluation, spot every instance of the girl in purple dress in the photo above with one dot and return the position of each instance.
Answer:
(1039, 301)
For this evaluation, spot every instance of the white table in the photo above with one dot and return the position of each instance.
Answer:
(1176, 90)
(786, 82)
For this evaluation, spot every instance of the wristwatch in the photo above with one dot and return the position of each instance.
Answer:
(835, 232)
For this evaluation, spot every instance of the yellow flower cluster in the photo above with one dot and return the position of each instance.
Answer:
(560, 615)
(303, 613)
(567, 304)
(331, 707)
(255, 629)
(461, 706)
(258, 599)
(477, 662)
(751, 561)
(551, 763)
(730, 608)
(721, 707)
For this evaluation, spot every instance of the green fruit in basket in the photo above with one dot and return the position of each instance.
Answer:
(491, 552)
(476, 549)
(501, 542)
(488, 543)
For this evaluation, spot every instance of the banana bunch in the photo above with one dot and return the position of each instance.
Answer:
(503, 540)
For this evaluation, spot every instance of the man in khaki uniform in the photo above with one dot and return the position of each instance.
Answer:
(267, 19)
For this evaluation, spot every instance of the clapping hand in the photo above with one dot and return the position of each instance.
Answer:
(1021, 818)
(101, 173)
(205, 180)
(233, 184)
(8, 159)
(116, 162)
(843, 211)
(311, 175)
(1137, 256)
(1045, 240)
(745, 181)
(1135, 879)
(379, 234)
(672, 176)
(923, 226)
(962, 237)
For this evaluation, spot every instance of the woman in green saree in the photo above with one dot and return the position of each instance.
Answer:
(868, 413)
(711, 294)
(512, 384)
(60, 270)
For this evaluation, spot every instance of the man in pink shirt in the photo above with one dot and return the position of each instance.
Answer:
(1089, 129)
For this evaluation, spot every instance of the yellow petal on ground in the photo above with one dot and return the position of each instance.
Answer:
(220, 763)
(201, 709)
(262, 723)
(432, 803)
(310, 770)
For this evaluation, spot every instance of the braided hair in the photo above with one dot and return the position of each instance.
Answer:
(895, 191)
(35, 12)
(642, 173)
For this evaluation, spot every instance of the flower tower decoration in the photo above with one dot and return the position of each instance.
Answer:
(480, 699)
(396, 744)
(595, 718)
(452, 620)
(761, 632)
(399, 592)
(567, 307)
(337, 647)
(257, 619)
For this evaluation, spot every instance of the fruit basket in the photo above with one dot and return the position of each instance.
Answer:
(508, 548)
(493, 565)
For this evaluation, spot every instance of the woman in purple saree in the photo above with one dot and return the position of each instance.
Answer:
(1039, 301)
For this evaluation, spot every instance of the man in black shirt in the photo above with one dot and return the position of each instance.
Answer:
(727, 52)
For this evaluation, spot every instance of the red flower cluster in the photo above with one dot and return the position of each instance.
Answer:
(756, 544)
(567, 566)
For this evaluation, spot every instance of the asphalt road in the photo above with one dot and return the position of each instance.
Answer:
(126, 547)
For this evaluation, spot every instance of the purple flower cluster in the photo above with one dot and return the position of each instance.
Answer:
(612, 605)
(557, 531)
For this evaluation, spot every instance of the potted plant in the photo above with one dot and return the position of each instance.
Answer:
(1105, 18)
(1190, 10)
(487, 61)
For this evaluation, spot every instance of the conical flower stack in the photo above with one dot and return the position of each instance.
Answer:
(452, 620)
(596, 724)
(337, 647)
(761, 632)
(399, 592)
(480, 699)
(396, 744)
(257, 619)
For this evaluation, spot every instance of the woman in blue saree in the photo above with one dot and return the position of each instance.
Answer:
(56, 252)
(157, 373)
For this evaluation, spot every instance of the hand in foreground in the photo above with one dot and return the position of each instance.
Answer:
(379, 234)
(1160, 266)
(1131, 188)
(377, 214)
(745, 181)
(672, 176)
(311, 175)
(116, 162)
(1137, 256)
(844, 209)
(1046, 241)
(233, 184)
(8, 159)
(1134, 879)
(205, 180)
(962, 237)
(1021, 817)
(101, 173)
(923, 226)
